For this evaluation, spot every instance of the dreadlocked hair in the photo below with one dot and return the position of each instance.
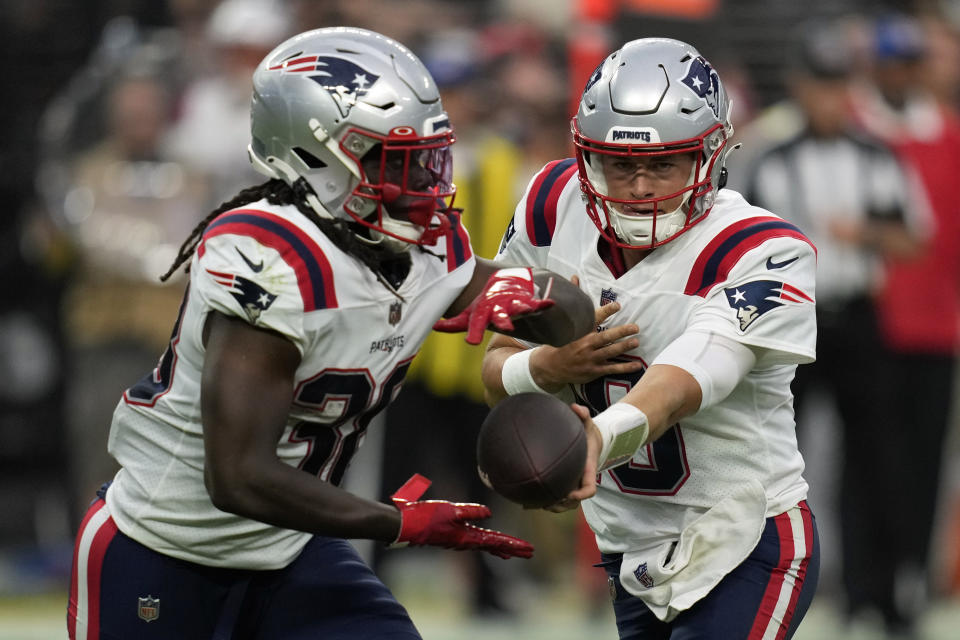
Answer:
(278, 192)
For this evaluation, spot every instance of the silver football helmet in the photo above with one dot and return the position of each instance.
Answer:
(654, 97)
(359, 118)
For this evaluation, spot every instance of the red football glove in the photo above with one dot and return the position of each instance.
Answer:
(442, 524)
(507, 294)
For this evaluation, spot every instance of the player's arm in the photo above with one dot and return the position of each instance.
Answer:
(510, 367)
(697, 370)
(247, 389)
(527, 303)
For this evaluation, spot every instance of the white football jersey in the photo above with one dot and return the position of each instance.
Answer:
(275, 269)
(740, 272)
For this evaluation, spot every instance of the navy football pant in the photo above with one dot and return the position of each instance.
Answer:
(764, 598)
(120, 589)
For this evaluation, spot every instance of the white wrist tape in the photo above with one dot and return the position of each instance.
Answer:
(623, 429)
(516, 376)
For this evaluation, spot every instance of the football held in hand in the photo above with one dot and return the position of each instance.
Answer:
(532, 449)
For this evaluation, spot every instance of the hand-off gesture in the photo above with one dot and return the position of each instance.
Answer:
(444, 524)
(508, 293)
(588, 481)
(592, 356)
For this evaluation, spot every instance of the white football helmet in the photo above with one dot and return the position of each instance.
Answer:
(653, 97)
(359, 118)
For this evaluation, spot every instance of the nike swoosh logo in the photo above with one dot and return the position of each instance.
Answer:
(259, 266)
(771, 264)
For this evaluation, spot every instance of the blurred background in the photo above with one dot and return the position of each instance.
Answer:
(126, 121)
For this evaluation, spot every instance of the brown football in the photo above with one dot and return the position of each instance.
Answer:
(532, 449)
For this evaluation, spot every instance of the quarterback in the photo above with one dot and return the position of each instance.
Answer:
(693, 484)
(309, 295)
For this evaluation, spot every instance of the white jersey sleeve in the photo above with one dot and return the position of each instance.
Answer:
(765, 300)
(529, 234)
(237, 275)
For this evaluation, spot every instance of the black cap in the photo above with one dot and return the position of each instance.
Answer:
(823, 52)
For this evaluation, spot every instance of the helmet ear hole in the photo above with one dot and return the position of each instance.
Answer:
(312, 161)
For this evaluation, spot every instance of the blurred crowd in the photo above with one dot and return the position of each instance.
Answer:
(128, 121)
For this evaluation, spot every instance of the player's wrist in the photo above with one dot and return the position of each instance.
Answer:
(543, 371)
(516, 375)
(623, 430)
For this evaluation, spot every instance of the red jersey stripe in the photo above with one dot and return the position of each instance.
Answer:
(541, 210)
(305, 257)
(801, 570)
(721, 254)
(458, 243)
(771, 595)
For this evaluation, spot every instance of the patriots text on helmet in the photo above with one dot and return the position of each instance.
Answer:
(633, 134)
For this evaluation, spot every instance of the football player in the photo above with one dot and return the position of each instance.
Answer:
(693, 484)
(308, 297)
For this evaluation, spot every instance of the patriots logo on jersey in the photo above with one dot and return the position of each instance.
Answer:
(253, 298)
(704, 81)
(753, 299)
(344, 80)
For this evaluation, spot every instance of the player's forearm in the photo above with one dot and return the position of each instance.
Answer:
(283, 496)
(491, 373)
(665, 394)
(644, 414)
(530, 373)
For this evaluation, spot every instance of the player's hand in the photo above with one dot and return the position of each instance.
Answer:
(588, 358)
(509, 293)
(444, 524)
(588, 482)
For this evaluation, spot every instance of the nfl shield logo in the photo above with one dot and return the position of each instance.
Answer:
(394, 316)
(148, 608)
(607, 296)
(642, 576)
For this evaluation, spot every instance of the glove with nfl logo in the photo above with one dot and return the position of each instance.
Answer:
(507, 294)
(444, 524)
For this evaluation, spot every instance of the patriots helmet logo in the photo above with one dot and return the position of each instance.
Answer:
(594, 77)
(704, 81)
(253, 298)
(753, 299)
(344, 80)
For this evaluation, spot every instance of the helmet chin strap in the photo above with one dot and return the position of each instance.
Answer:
(618, 219)
(388, 242)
